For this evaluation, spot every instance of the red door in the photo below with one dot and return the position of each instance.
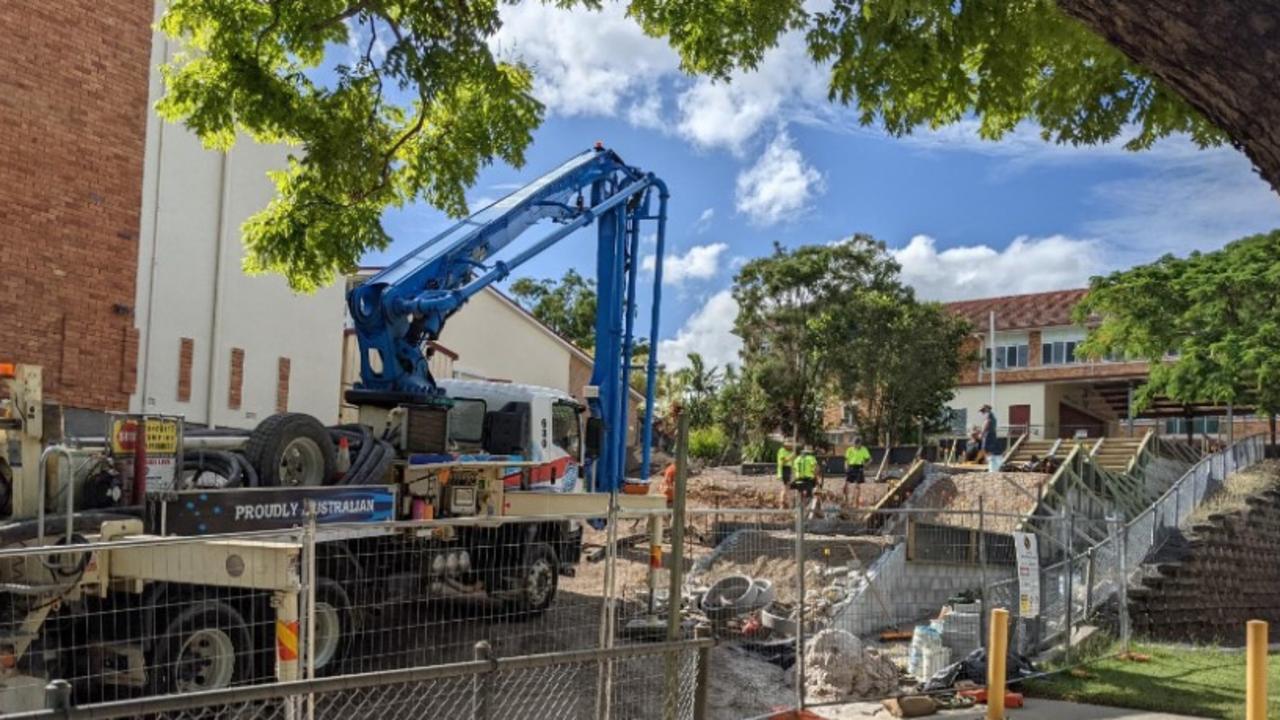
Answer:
(1019, 420)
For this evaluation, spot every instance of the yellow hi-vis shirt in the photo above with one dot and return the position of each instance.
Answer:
(855, 456)
(806, 467)
(784, 458)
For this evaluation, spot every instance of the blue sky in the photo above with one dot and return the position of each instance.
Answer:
(766, 158)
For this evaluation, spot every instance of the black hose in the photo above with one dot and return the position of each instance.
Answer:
(88, 521)
(227, 465)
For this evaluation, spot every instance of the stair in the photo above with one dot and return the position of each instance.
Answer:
(1039, 448)
(1116, 453)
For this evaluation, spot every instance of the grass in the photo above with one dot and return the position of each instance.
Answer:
(1201, 682)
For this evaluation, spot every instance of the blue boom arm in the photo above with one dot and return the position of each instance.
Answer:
(399, 310)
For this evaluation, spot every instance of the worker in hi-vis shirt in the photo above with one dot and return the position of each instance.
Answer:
(856, 457)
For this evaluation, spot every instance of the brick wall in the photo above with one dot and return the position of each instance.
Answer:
(235, 384)
(186, 353)
(72, 131)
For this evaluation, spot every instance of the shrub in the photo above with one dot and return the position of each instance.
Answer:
(707, 443)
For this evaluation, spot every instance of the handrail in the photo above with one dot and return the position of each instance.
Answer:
(1147, 439)
(1013, 449)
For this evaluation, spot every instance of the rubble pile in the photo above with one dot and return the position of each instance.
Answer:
(838, 667)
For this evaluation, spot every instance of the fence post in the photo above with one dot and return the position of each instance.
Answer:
(675, 582)
(982, 568)
(800, 599)
(1088, 583)
(1256, 670)
(1069, 599)
(702, 692)
(604, 684)
(1120, 539)
(482, 683)
(309, 565)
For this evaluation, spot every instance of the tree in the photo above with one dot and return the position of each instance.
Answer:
(567, 305)
(1208, 324)
(797, 310)
(419, 119)
(904, 373)
(415, 115)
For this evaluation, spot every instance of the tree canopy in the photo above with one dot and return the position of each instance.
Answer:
(1209, 324)
(425, 105)
(567, 305)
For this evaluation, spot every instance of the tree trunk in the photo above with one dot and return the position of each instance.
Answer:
(1223, 58)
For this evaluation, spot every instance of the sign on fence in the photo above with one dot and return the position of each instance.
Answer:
(1028, 556)
(163, 440)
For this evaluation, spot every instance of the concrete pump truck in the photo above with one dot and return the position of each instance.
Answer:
(129, 561)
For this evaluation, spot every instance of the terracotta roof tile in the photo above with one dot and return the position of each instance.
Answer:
(1020, 312)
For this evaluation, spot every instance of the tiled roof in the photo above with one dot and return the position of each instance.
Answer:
(1020, 312)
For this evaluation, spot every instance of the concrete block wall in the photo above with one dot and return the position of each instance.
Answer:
(1208, 583)
(898, 593)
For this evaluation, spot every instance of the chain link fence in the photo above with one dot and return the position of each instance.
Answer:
(574, 617)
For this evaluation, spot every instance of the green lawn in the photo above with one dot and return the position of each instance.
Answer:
(1201, 682)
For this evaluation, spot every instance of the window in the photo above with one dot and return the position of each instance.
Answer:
(1008, 356)
(1199, 426)
(1060, 352)
(565, 431)
(957, 420)
(466, 424)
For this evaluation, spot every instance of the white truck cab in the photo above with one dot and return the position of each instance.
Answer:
(551, 432)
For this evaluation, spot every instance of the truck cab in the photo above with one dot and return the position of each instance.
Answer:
(540, 425)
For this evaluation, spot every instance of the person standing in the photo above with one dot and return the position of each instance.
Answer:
(784, 459)
(989, 446)
(856, 457)
(805, 474)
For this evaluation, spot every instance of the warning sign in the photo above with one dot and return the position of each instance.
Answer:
(1027, 552)
(163, 437)
(161, 434)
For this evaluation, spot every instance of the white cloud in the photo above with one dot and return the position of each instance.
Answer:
(1198, 205)
(779, 185)
(786, 86)
(1026, 265)
(587, 62)
(704, 221)
(708, 332)
(700, 263)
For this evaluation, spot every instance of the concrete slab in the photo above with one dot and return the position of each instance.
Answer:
(1033, 710)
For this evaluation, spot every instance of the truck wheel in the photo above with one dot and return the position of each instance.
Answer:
(335, 625)
(290, 450)
(207, 646)
(537, 581)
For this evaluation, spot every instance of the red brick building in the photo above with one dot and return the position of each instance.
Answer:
(72, 133)
(1044, 389)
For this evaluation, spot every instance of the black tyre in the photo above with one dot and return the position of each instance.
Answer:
(537, 581)
(205, 646)
(291, 449)
(335, 626)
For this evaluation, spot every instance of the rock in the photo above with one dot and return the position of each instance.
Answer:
(837, 667)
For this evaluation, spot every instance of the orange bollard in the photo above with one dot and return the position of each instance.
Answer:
(1255, 683)
(997, 651)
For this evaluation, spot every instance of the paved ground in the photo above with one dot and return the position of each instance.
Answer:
(1034, 710)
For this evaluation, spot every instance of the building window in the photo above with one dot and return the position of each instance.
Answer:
(1008, 356)
(1061, 352)
(1199, 426)
(957, 420)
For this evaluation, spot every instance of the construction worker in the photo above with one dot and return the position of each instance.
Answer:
(784, 458)
(805, 473)
(856, 457)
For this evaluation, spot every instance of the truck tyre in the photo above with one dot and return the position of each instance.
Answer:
(335, 625)
(537, 580)
(206, 646)
(290, 450)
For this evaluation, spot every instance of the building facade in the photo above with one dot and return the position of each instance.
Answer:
(73, 119)
(1042, 388)
(217, 346)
